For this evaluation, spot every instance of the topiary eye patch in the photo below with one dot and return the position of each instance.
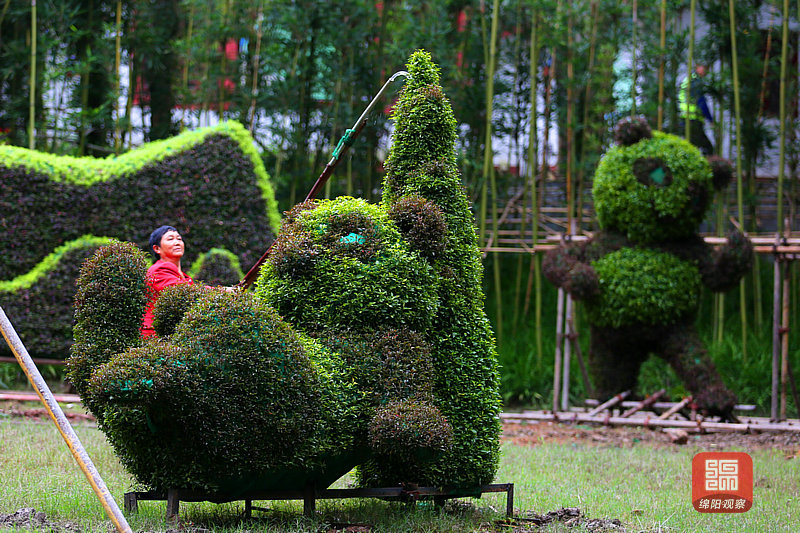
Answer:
(652, 171)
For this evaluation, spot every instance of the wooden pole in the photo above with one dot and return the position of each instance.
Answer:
(781, 171)
(559, 339)
(739, 186)
(32, 81)
(662, 45)
(776, 336)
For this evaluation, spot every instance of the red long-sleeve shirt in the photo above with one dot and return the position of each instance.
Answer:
(160, 276)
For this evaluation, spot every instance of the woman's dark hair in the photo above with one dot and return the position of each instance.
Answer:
(155, 238)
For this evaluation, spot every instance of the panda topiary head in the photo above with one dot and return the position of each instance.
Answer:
(345, 264)
(654, 187)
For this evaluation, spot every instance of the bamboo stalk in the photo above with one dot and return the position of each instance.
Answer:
(635, 16)
(776, 336)
(559, 338)
(186, 61)
(662, 45)
(517, 123)
(611, 402)
(675, 408)
(739, 195)
(117, 80)
(698, 425)
(570, 125)
(256, 63)
(781, 171)
(690, 66)
(784, 341)
(533, 157)
(32, 80)
(586, 99)
(488, 166)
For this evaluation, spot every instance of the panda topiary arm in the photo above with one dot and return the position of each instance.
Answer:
(722, 268)
(566, 267)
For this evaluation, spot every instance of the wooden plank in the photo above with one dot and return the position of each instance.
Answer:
(23, 396)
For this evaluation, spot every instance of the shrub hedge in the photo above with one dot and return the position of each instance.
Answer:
(39, 303)
(209, 183)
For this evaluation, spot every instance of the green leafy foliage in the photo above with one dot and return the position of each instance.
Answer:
(39, 303)
(636, 206)
(218, 267)
(422, 164)
(343, 264)
(172, 304)
(209, 183)
(109, 304)
(642, 286)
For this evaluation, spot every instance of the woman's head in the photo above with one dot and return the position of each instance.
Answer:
(166, 243)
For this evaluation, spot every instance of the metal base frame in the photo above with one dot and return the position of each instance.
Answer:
(310, 495)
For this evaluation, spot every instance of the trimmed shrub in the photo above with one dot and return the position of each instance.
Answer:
(422, 224)
(109, 304)
(641, 286)
(209, 183)
(229, 399)
(172, 304)
(39, 303)
(641, 275)
(422, 164)
(344, 265)
(217, 267)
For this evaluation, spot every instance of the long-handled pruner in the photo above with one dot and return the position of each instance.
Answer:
(345, 143)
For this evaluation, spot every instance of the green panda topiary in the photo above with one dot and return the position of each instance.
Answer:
(365, 343)
(641, 275)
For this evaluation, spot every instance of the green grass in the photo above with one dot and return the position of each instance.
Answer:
(647, 488)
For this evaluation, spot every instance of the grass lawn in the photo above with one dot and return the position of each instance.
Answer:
(647, 487)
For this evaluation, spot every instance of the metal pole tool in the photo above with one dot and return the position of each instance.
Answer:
(344, 144)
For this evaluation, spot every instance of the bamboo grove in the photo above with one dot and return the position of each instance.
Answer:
(536, 85)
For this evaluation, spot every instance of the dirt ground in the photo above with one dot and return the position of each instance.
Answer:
(534, 434)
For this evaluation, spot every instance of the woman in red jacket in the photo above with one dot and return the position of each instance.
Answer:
(167, 244)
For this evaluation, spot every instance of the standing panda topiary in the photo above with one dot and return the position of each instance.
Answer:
(641, 275)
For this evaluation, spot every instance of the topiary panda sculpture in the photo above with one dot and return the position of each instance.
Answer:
(640, 275)
(364, 344)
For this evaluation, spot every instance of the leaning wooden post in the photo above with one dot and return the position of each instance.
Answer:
(63, 425)
(559, 337)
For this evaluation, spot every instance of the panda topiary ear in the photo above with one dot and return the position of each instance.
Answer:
(631, 130)
(722, 171)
